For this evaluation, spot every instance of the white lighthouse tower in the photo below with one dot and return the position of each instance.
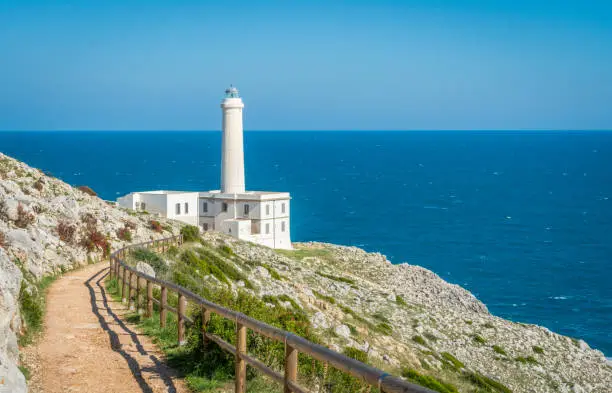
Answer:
(232, 161)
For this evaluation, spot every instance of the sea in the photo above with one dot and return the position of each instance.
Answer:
(522, 219)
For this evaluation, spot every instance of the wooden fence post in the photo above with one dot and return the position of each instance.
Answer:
(182, 303)
(137, 297)
(162, 307)
(205, 321)
(149, 312)
(110, 267)
(123, 287)
(291, 365)
(130, 303)
(241, 338)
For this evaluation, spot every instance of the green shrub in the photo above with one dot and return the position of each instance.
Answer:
(286, 298)
(499, 350)
(384, 328)
(528, 359)
(190, 233)
(227, 250)
(273, 273)
(319, 295)
(489, 325)
(479, 339)
(419, 340)
(456, 363)
(400, 300)
(124, 234)
(537, 349)
(485, 383)
(337, 278)
(150, 257)
(469, 322)
(428, 381)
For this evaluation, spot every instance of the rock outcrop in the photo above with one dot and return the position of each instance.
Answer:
(47, 227)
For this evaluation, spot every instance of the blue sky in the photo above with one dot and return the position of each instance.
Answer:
(321, 65)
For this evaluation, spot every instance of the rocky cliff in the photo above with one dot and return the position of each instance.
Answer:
(403, 316)
(47, 227)
(406, 318)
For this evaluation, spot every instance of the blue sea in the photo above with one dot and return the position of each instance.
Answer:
(521, 219)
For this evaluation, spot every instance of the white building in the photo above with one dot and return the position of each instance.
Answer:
(258, 216)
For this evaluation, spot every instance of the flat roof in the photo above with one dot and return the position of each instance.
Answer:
(248, 195)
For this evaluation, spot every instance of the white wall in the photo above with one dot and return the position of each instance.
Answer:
(189, 198)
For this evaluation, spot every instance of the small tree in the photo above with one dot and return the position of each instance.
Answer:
(2, 240)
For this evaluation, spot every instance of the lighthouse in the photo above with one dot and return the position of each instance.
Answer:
(260, 217)
(232, 151)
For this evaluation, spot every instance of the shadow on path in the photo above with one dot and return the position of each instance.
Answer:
(117, 328)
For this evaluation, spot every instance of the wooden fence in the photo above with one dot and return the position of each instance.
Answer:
(131, 294)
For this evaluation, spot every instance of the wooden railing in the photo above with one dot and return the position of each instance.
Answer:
(131, 295)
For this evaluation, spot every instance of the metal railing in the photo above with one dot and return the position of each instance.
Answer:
(131, 294)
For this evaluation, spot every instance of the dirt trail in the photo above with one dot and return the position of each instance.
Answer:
(87, 347)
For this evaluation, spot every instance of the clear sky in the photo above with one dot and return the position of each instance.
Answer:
(306, 65)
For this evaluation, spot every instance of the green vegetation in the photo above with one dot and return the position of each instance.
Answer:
(479, 339)
(452, 361)
(527, 359)
(190, 233)
(304, 253)
(319, 295)
(26, 372)
(273, 273)
(428, 381)
(151, 258)
(499, 350)
(537, 349)
(489, 325)
(469, 322)
(384, 328)
(207, 367)
(219, 267)
(32, 307)
(486, 384)
(337, 278)
(419, 340)
(400, 300)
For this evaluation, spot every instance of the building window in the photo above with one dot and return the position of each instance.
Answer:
(247, 207)
(205, 207)
(178, 209)
(267, 210)
(224, 207)
(205, 226)
(267, 228)
(283, 225)
(186, 208)
(143, 206)
(283, 208)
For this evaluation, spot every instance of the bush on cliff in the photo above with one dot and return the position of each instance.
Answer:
(190, 233)
(87, 190)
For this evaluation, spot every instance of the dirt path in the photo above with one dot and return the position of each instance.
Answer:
(87, 347)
